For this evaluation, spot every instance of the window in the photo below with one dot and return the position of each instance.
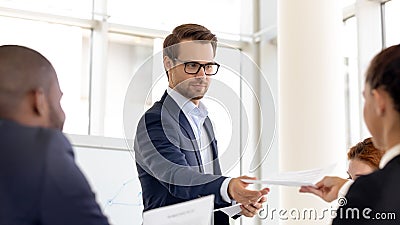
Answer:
(125, 55)
(67, 33)
(75, 8)
(165, 15)
(353, 89)
(348, 2)
(67, 48)
(392, 18)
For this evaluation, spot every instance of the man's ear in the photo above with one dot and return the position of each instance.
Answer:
(380, 99)
(40, 105)
(168, 63)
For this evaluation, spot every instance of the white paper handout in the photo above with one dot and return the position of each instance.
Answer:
(197, 212)
(233, 209)
(295, 178)
(230, 210)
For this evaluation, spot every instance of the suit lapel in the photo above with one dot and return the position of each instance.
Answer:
(210, 131)
(176, 113)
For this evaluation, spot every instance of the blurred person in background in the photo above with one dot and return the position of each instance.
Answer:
(363, 159)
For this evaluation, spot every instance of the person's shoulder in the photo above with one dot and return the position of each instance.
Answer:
(372, 180)
(48, 136)
(166, 102)
(151, 115)
(382, 176)
(158, 109)
(33, 135)
(155, 109)
(164, 112)
(369, 187)
(393, 166)
(387, 177)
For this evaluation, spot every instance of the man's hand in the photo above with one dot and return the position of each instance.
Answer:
(251, 210)
(327, 189)
(237, 191)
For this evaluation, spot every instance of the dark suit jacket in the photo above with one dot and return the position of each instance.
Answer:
(168, 160)
(39, 180)
(374, 194)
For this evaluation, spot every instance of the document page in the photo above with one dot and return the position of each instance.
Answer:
(295, 178)
(230, 210)
(196, 212)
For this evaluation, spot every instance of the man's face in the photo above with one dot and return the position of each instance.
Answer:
(192, 86)
(371, 117)
(56, 113)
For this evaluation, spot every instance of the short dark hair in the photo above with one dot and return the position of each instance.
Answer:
(21, 70)
(189, 31)
(365, 151)
(384, 71)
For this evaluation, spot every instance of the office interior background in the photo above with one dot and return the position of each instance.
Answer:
(312, 53)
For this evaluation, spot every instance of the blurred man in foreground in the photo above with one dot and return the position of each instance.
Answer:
(39, 180)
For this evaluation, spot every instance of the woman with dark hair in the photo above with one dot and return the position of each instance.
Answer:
(375, 193)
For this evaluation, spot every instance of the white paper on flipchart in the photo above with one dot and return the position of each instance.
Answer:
(295, 178)
(199, 210)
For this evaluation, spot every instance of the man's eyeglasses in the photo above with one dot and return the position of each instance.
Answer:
(192, 67)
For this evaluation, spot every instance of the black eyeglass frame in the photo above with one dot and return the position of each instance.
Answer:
(200, 66)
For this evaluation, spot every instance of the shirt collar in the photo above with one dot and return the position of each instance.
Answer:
(187, 106)
(389, 155)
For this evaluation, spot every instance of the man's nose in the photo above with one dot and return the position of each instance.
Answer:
(201, 73)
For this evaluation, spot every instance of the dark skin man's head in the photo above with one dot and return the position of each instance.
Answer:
(29, 89)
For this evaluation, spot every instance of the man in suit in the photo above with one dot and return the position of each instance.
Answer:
(39, 180)
(373, 198)
(175, 148)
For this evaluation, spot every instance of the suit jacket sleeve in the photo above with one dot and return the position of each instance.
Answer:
(67, 197)
(357, 207)
(158, 150)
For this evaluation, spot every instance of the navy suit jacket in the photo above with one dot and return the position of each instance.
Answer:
(39, 180)
(169, 162)
(373, 197)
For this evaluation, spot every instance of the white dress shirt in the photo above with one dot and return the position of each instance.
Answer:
(389, 155)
